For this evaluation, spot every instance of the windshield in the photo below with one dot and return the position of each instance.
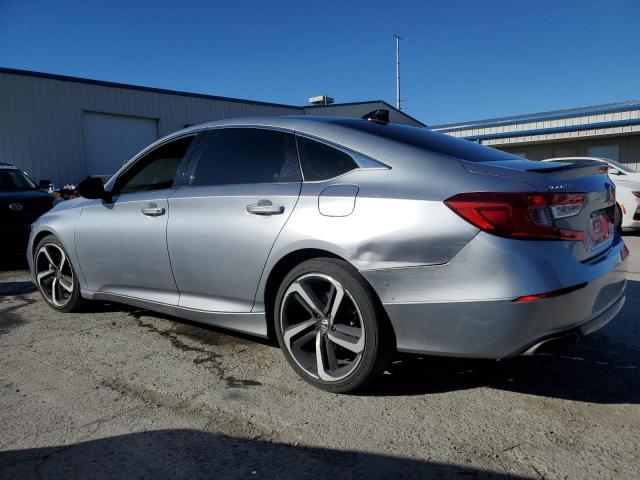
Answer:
(14, 180)
(621, 167)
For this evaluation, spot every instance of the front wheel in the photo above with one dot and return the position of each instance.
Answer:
(55, 276)
(330, 326)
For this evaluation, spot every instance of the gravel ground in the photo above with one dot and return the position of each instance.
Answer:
(119, 392)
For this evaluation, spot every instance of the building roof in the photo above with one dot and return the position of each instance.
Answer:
(304, 109)
(540, 116)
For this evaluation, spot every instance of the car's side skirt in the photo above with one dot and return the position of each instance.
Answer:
(253, 323)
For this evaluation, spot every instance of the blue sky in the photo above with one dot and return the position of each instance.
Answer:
(461, 60)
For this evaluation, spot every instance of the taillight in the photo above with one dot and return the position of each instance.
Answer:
(519, 215)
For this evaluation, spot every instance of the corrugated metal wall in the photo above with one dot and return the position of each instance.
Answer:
(629, 148)
(531, 127)
(41, 119)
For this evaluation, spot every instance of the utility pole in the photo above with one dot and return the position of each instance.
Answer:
(398, 38)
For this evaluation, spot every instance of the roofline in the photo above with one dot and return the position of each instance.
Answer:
(90, 81)
(540, 116)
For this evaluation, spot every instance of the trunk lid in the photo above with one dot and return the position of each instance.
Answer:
(597, 215)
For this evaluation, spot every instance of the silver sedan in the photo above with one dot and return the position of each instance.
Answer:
(345, 239)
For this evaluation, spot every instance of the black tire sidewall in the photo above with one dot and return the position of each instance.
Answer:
(76, 301)
(361, 292)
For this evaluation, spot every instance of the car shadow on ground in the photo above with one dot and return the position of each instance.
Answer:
(197, 454)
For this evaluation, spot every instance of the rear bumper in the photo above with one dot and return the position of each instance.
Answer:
(495, 327)
(586, 328)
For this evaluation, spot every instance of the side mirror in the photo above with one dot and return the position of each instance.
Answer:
(45, 184)
(92, 188)
(614, 171)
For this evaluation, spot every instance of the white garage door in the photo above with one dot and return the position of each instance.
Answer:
(111, 140)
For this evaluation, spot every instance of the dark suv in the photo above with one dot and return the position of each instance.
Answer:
(22, 201)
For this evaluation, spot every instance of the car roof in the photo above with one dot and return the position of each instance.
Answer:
(305, 123)
(7, 165)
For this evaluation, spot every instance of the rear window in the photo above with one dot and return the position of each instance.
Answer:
(426, 139)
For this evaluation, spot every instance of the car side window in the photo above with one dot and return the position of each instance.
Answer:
(322, 162)
(156, 170)
(236, 156)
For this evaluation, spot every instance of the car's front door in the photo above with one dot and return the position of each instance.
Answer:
(225, 219)
(122, 244)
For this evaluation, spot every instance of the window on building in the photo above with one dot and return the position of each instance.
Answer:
(322, 162)
(155, 170)
(610, 152)
(235, 156)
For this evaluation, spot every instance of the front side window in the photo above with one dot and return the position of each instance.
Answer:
(156, 170)
(236, 156)
(322, 162)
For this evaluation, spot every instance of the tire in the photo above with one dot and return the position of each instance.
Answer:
(55, 276)
(353, 341)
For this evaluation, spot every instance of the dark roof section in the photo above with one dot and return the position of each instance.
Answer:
(66, 78)
(540, 116)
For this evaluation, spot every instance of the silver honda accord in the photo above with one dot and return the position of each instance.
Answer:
(345, 239)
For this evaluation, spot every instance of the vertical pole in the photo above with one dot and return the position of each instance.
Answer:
(398, 38)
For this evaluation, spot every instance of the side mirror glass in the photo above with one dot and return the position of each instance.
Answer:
(91, 188)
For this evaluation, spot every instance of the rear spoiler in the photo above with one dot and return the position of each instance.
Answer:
(590, 167)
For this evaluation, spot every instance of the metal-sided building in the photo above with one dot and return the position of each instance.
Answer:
(609, 131)
(65, 128)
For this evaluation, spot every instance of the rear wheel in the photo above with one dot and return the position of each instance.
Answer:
(55, 276)
(329, 325)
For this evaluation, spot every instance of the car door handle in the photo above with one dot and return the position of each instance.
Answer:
(153, 211)
(264, 208)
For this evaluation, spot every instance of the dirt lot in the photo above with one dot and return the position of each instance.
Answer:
(118, 392)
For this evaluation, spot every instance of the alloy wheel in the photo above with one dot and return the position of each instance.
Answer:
(322, 327)
(54, 274)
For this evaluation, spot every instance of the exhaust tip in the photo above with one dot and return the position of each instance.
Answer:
(563, 339)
